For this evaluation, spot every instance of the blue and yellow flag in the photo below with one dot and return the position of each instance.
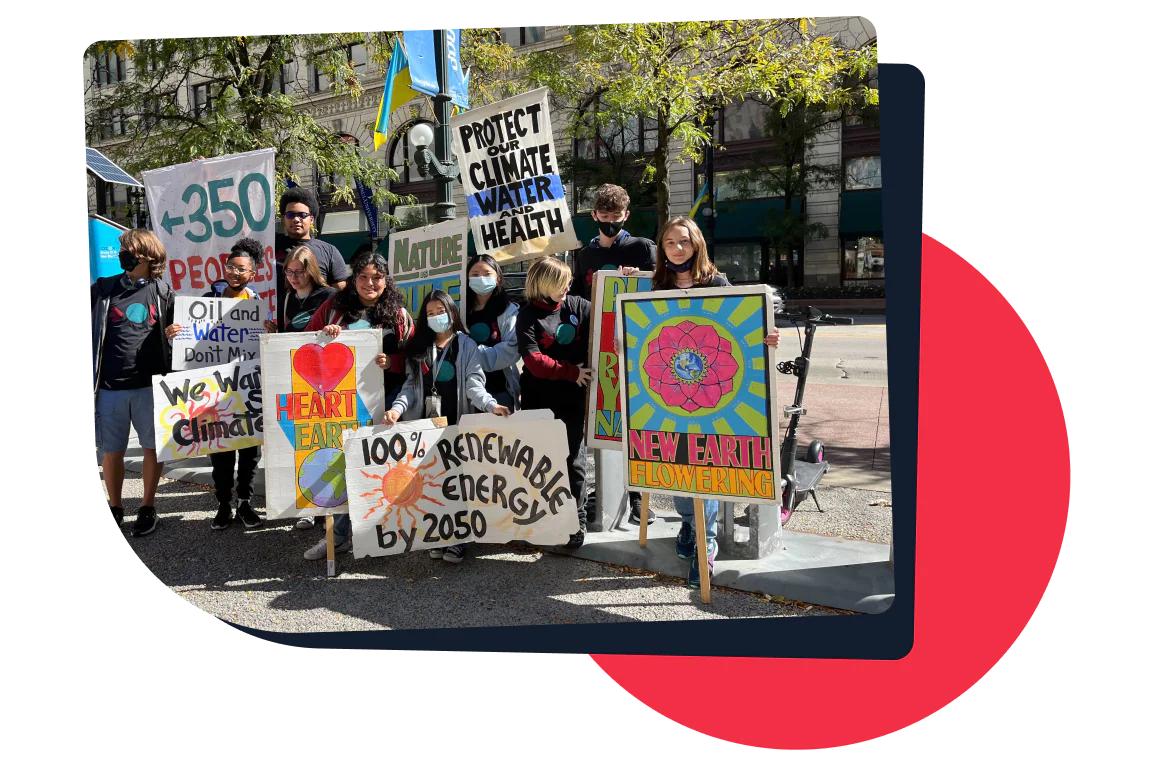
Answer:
(397, 91)
(700, 198)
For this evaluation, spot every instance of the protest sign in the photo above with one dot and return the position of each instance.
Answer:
(508, 166)
(604, 425)
(212, 409)
(317, 387)
(429, 258)
(413, 486)
(216, 331)
(199, 210)
(699, 394)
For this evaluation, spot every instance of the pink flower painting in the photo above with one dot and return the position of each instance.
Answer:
(690, 366)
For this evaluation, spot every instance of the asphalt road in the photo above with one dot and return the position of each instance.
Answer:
(259, 579)
(844, 355)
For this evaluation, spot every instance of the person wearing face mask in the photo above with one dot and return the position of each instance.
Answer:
(240, 268)
(613, 247)
(444, 379)
(552, 331)
(610, 249)
(491, 324)
(683, 263)
(129, 312)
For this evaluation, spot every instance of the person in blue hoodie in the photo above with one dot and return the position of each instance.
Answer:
(491, 323)
(239, 269)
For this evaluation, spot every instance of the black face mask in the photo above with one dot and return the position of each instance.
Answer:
(610, 228)
(128, 261)
(683, 267)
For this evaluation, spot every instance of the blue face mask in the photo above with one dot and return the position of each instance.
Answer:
(482, 285)
(440, 323)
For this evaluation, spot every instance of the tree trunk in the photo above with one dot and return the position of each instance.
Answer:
(661, 161)
(788, 227)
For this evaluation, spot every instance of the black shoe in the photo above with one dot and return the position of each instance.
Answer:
(223, 516)
(635, 510)
(246, 514)
(118, 514)
(574, 541)
(145, 521)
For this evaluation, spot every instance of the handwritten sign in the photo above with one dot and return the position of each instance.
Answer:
(429, 258)
(212, 409)
(216, 331)
(604, 425)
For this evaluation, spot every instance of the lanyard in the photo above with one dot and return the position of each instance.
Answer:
(437, 363)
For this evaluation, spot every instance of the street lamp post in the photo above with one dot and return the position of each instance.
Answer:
(439, 164)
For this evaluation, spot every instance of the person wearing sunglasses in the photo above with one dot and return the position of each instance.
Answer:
(245, 258)
(298, 211)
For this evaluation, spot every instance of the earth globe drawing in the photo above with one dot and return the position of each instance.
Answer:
(689, 366)
(321, 478)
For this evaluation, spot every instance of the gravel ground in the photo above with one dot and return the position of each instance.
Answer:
(260, 579)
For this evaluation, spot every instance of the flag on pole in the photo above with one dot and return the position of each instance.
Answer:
(700, 198)
(397, 91)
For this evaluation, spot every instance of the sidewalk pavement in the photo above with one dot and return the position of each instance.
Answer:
(853, 422)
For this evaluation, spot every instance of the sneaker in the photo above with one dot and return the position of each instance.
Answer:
(635, 510)
(319, 551)
(574, 541)
(304, 524)
(118, 514)
(686, 542)
(454, 554)
(437, 553)
(694, 569)
(223, 517)
(246, 514)
(145, 521)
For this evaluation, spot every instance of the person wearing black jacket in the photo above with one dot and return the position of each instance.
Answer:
(613, 248)
(129, 312)
(552, 331)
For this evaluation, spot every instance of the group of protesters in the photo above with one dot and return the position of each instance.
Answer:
(499, 356)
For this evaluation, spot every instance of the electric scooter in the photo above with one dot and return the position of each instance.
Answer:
(800, 477)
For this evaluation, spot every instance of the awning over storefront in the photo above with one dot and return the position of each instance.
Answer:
(748, 219)
(861, 213)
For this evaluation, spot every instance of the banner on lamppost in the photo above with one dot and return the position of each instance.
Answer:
(421, 50)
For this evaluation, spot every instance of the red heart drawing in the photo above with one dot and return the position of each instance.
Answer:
(322, 367)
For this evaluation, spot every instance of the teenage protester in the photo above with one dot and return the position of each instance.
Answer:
(683, 263)
(298, 210)
(444, 379)
(369, 300)
(129, 346)
(239, 269)
(552, 334)
(491, 324)
(610, 249)
(308, 292)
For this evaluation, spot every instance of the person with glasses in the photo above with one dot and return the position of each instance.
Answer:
(129, 312)
(298, 211)
(369, 300)
(246, 256)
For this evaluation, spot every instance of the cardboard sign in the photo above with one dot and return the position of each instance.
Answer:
(212, 409)
(429, 258)
(699, 393)
(216, 331)
(199, 210)
(316, 388)
(413, 486)
(509, 170)
(605, 425)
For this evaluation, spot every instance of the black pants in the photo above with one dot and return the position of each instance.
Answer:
(222, 465)
(567, 403)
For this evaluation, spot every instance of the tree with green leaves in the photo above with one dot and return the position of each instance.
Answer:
(680, 73)
(240, 105)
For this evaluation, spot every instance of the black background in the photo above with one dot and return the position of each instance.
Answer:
(996, 152)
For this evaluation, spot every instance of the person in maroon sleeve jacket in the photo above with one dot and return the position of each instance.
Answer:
(553, 333)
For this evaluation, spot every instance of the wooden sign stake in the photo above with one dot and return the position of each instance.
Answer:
(702, 548)
(644, 518)
(328, 535)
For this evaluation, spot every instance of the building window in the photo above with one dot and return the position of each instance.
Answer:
(202, 97)
(285, 78)
(532, 34)
(864, 258)
(743, 121)
(745, 184)
(410, 183)
(357, 57)
(113, 123)
(862, 173)
(109, 69)
(632, 136)
(740, 262)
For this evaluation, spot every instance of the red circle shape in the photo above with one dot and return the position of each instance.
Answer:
(971, 407)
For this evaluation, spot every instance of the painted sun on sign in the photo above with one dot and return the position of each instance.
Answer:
(403, 484)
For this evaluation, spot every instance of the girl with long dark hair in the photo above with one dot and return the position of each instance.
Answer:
(491, 323)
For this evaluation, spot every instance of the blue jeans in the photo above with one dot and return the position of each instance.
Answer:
(341, 528)
(684, 506)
